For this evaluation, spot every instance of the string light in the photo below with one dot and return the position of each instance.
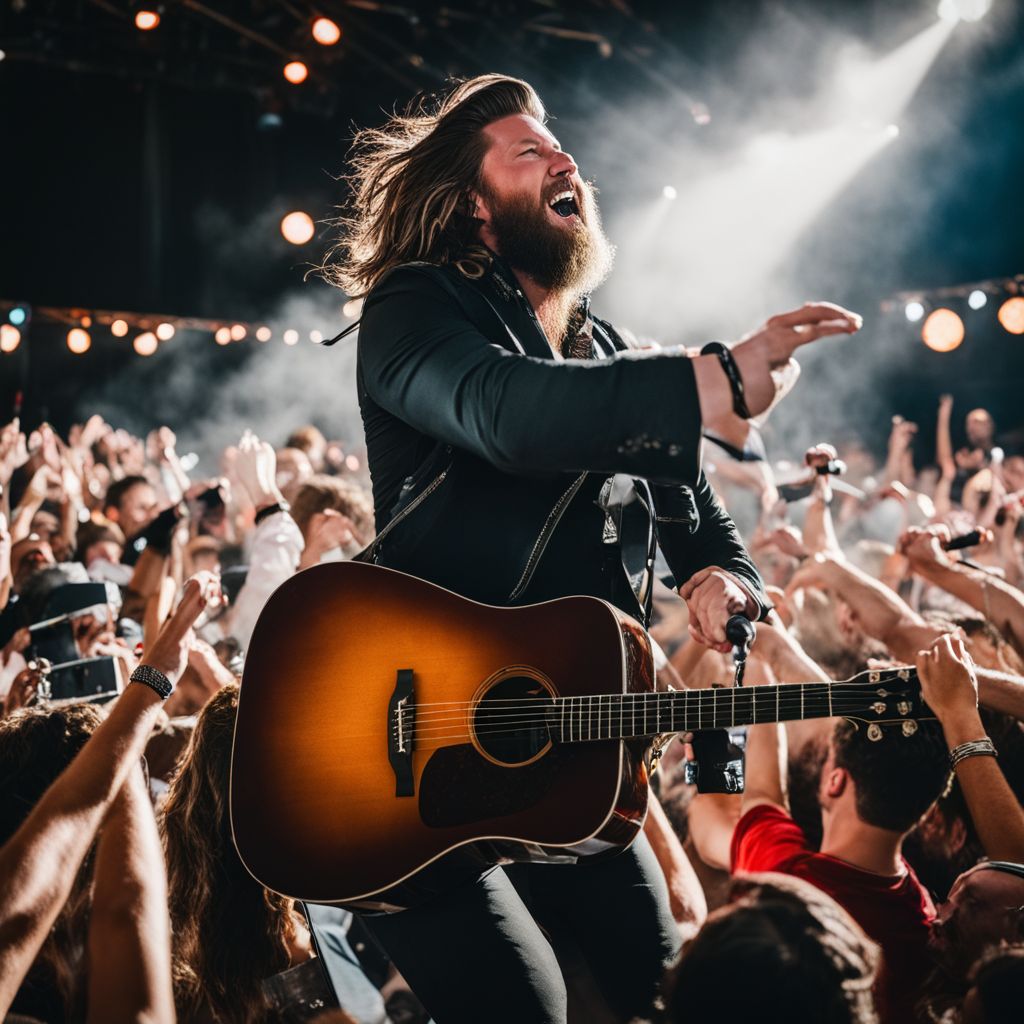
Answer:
(297, 227)
(943, 331)
(326, 32)
(145, 344)
(119, 328)
(316, 337)
(10, 337)
(223, 336)
(263, 334)
(18, 315)
(296, 72)
(146, 20)
(977, 299)
(86, 321)
(237, 332)
(79, 340)
(913, 311)
(1011, 315)
(165, 331)
(352, 308)
(291, 337)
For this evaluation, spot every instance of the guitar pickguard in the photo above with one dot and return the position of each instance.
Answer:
(459, 787)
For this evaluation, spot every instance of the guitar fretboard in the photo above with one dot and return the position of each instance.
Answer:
(625, 716)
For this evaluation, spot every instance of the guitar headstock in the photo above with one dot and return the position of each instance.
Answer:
(882, 697)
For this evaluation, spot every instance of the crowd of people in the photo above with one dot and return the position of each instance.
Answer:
(859, 877)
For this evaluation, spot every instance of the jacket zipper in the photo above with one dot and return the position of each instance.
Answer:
(411, 507)
(545, 534)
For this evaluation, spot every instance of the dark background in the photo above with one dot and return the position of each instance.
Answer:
(140, 173)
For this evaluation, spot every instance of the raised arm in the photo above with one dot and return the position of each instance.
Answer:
(129, 931)
(530, 415)
(999, 602)
(40, 861)
(951, 691)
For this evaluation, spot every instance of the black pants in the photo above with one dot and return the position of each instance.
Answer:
(478, 954)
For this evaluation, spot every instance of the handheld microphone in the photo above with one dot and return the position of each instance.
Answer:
(740, 632)
(966, 540)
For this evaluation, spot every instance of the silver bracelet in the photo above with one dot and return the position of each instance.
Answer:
(973, 748)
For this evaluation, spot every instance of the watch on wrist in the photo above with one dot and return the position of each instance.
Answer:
(154, 679)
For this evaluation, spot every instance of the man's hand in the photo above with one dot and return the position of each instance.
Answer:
(712, 597)
(169, 652)
(768, 350)
(950, 688)
(255, 468)
(923, 546)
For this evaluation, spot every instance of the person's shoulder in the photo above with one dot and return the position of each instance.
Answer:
(415, 276)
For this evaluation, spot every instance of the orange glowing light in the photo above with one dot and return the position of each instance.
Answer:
(263, 334)
(165, 331)
(223, 336)
(79, 340)
(118, 328)
(145, 344)
(943, 331)
(296, 72)
(146, 20)
(326, 32)
(297, 227)
(1011, 315)
(86, 321)
(237, 332)
(10, 337)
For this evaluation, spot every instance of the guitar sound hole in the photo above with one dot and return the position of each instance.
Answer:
(509, 721)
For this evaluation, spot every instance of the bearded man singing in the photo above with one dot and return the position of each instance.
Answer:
(519, 452)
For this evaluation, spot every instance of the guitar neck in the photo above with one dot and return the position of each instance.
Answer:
(636, 715)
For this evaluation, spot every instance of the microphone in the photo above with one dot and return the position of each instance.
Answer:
(966, 540)
(740, 632)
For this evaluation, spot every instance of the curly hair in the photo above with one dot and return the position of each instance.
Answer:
(228, 932)
(412, 184)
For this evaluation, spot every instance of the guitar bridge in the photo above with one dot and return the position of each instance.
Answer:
(401, 729)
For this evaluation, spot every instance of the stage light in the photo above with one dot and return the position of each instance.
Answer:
(352, 308)
(145, 344)
(913, 311)
(326, 32)
(977, 299)
(291, 337)
(79, 340)
(118, 328)
(146, 20)
(223, 336)
(238, 332)
(943, 330)
(669, 192)
(1011, 315)
(297, 227)
(10, 337)
(963, 10)
(316, 337)
(165, 331)
(296, 72)
(263, 334)
(18, 315)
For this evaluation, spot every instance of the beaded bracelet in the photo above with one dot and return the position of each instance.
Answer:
(973, 748)
(732, 373)
(154, 679)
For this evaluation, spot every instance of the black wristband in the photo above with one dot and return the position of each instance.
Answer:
(732, 372)
(269, 510)
(154, 679)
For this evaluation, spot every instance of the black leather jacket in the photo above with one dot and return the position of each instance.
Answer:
(490, 458)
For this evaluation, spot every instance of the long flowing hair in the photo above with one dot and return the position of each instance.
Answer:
(229, 933)
(412, 184)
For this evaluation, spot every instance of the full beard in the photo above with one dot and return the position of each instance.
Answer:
(573, 259)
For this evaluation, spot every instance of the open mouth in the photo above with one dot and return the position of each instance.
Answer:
(564, 204)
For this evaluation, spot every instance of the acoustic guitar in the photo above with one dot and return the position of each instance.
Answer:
(386, 725)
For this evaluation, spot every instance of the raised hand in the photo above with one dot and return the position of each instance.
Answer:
(169, 652)
(13, 450)
(764, 353)
(948, 680)
(255, 468)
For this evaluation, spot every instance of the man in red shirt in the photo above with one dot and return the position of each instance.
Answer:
(872, 793)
